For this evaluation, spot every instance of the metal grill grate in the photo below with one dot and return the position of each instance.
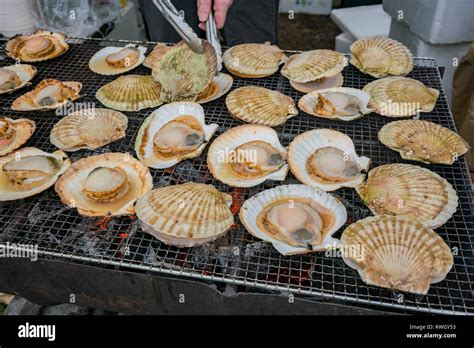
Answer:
(237, 258)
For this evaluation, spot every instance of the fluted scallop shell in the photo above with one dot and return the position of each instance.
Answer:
(88, 129)
(220, 85)
(70, 186)
(260, 105)
(306, 144)
(7, 193)
(396, 252)
(156, 55)
(252, 209)
(253, 60)
(409, 190)
(380, 56)
(323, 83)
(423, 141)
(313, 65)
(144, 146)
(21, 48)
(227, 142)
(26, 101)
(98, 63)
(309, 101)
(130, 93)
(400, 96)
(23, 130)
(185, 215)
(25, 73)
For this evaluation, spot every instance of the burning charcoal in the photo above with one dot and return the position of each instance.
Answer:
(44, 210)
(186, 169)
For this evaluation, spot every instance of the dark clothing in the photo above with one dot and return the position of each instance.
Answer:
(247, 21)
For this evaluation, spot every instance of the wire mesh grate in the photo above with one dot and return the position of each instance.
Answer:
(238, 257)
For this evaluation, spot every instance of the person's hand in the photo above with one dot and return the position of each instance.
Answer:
(220, 11)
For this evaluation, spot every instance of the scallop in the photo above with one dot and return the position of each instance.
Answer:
(400, 96)
(117, 60)
(173, 133)
(397, 253)
(14, 133)
(247, 155)
(260, 105)
(183, 73)
(253, 60)
(296, 219)
(29, 171)
(16, 76)
(344, 103)
(326, 159)
(104, 185)
(185, 215)
(380, 57)
(48, 94)
(156, 55)
(409, 190)
(88, 129)
(40, 46)
(423, 141)
(316, 85)
(130, 93)
(220, 85)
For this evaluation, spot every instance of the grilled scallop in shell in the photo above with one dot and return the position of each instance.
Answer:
(16, 76)
(185, 215)
(397, 253)
(40, 46)
(220, 85)
(296, 219)
(14, 133)
(117, 60)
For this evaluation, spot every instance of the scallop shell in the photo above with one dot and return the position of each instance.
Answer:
(159, 118)
(253, 60)
(130, 93)
(7, 193)
(396, 252)
(23, 129)
(423, 141)
(25, 73)
(313, 65)
(156, 55)
(251, 210)
(309, 101)
(400, 96)
(380, 56)
(220, 85)
(323, 83)
(71, 185)
(224, 146)
(185, 215)
(26, 102)
(88, 129)
(306, 144)
(98, 63)
(409, 190)
(40, 46)
(259, 105)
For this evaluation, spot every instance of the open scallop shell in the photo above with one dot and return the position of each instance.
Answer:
(253, 60)
(400, 96)
(380, 56)
(40, 46)
(156, 55)
(185, 215)
(48, 94)
(247, 155)
(322, 83)
(130, 93)
(162, 138)
(104, 185)
(260, 105)
(125, 59)
(33, 171)
(296, 219)
(395, 252)
(88, 129)
(423, 141)
(220, 85)
(14, 133)
(335, 151)
(15, 77)
(409, 190)
(343, 103)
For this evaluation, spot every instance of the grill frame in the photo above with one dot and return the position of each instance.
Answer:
(123, 244)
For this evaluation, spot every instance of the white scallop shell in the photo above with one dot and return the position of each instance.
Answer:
(324, 83)
(25, 73)
(99, 65)
(24, 129)
(221, 84)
